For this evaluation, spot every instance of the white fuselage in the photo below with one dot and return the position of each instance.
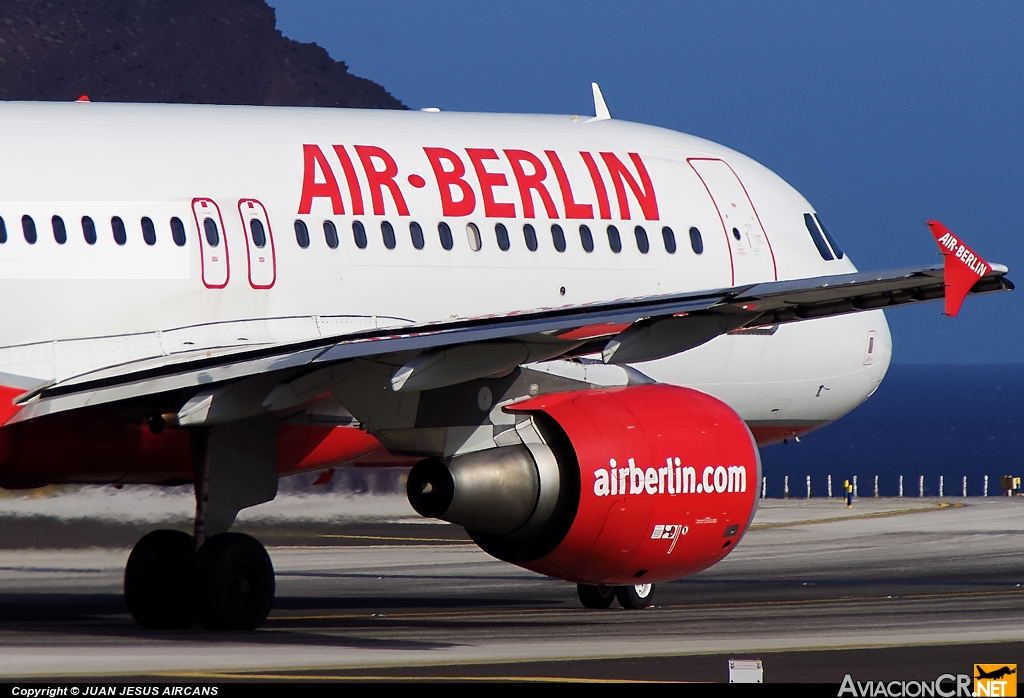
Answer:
(76, 307)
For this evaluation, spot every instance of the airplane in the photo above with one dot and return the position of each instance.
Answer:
(579, 329)
(995, 673)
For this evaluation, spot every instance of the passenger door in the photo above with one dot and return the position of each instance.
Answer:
(751, 251)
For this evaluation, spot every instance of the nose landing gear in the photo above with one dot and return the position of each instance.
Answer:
(633, 596)
(595, 595)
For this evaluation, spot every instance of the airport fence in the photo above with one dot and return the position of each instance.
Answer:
(921, 486)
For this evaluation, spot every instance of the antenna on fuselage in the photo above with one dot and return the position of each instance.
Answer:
(601, 112)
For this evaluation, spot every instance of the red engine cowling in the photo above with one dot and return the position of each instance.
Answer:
(655, 482)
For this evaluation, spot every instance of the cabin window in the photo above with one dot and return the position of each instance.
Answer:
(831, 240)
(614, 241)
(530, 235)
(212, 232)
(259, 235)
(60, 233)
(445, 233)
(177, 230)
(819, 241)
(558, 237)
(669, 238)
(28, 227)
(120, 233)
(736, 234)
(3, 231)
(586, 238)
(148, 230)
(387, 232)
(696, 241)
(501, 235)
(301, 233)
(473, 236)
(359, 234)
(89, 230)
(416, 233)
(330, 234)
(642, 243)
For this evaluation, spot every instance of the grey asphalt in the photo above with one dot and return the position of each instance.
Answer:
(890, 589)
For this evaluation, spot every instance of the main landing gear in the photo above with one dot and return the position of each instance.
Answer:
(633, 596)
(223, 580)
(156, 580)
(228, 584)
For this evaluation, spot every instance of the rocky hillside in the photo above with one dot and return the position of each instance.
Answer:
(194, 51)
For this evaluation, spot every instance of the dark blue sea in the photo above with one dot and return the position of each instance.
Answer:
(943, 420)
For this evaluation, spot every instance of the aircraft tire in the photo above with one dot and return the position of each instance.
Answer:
(232, 582)
(635, 596)
(156, 581)
(595, 595)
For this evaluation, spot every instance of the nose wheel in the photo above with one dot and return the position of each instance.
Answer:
(595, 595)
(633, 596)
(228, 584)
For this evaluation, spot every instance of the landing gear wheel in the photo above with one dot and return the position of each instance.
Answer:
(635, 596)
(156, 581)
(232, 582)
(595, 595)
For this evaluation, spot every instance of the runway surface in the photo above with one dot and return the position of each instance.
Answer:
(891, 589)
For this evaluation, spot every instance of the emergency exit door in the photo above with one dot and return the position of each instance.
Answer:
(259, 243)
(213, 243)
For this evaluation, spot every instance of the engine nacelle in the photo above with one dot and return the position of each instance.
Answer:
(621, 486)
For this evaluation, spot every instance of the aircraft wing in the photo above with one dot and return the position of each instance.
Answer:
(433, 355)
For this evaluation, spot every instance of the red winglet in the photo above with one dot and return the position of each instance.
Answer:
(961, 265)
